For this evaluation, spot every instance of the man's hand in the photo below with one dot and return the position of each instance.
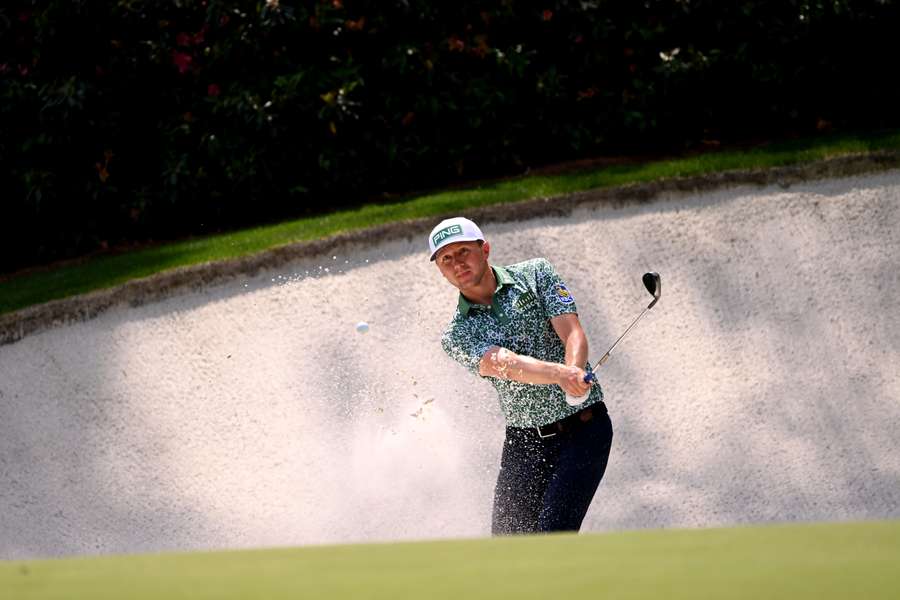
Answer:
(571, 380)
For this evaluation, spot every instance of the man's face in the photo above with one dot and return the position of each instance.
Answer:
(463, 264)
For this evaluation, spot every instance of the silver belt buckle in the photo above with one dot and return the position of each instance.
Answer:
(542, 436)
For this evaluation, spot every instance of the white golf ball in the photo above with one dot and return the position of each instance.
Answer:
(362, 327)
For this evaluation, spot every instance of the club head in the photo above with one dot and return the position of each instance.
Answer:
(653, 285)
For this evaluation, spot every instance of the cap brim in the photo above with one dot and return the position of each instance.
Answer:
(467, 238)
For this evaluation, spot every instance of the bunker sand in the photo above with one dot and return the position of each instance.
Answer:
(762, 388)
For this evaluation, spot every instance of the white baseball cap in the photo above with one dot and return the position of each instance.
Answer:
(450, 231)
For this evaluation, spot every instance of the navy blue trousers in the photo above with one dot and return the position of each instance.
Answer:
(548, 484)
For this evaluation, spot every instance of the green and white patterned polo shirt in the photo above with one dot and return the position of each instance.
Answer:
(528, 295)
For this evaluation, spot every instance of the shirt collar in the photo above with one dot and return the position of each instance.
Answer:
(503, 279)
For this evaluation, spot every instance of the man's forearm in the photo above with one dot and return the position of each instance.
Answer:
(506, 364)
(576, 349)
(571, 334)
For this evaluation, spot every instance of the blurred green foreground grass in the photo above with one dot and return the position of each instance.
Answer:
(797, 562)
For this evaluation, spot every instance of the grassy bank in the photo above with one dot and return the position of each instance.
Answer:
(110, 270)
(814, 562)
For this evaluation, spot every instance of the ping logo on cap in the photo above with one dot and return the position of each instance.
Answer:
(446, 232)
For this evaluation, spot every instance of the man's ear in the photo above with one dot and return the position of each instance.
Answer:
(486, 248)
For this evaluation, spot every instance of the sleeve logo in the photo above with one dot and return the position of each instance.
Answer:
(563, 295)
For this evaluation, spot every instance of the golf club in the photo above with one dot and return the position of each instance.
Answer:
(654, 286)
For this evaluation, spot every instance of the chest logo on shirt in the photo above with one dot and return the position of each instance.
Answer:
(563, 295)
(525, 301)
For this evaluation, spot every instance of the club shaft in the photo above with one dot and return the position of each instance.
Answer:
(652, 283)
(605, 357)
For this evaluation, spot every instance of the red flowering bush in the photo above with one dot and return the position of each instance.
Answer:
(138, 119)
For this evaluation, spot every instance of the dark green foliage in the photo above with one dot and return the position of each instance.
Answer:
(133, 120)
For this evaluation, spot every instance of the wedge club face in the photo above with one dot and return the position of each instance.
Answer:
(653, 285)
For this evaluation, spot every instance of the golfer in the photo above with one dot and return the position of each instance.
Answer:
(518, 326)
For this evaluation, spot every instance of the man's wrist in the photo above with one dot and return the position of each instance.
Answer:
(559, 372)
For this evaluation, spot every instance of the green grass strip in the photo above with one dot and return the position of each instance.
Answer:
(107, 271)
(800, 562)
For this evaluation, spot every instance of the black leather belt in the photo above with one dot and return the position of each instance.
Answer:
(571, 422)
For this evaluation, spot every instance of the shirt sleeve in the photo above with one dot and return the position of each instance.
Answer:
(555, 296)
(464, 345)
